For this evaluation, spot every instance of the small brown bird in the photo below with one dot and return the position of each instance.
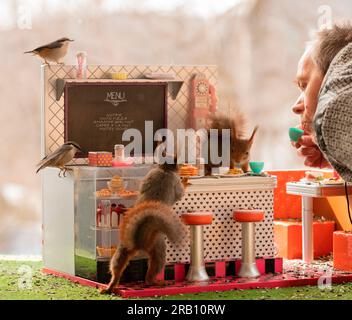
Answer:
(60, 157)
(53, 51)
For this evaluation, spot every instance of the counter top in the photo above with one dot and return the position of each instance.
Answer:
(228, 183)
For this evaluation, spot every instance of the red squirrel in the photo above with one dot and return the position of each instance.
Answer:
(239, 146)
(145, 226)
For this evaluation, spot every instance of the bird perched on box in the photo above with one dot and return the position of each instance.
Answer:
(60, 157)
(53, 51)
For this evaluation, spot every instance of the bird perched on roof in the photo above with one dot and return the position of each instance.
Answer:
(60, 157)
(53, 51)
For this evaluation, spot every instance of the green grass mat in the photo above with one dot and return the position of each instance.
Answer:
(24, 280)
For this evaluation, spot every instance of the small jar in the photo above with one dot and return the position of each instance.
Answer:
(119, 152)
(200, 164)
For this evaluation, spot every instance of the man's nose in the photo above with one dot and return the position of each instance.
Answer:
(298, 107)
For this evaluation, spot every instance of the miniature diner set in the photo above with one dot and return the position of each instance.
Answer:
(232, 238)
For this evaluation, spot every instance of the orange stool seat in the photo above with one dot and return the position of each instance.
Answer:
(197, 218)
(248, 215)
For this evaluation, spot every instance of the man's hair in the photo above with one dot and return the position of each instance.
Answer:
(329, 43)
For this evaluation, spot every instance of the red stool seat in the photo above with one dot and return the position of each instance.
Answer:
(248, 215)
(197, 218)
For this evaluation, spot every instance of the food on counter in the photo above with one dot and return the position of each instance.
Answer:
(106, 252)
(314, 176)
(219, 170)
(116, 189)
(127, 193)
(103, 193)
(235, 171)
(188, 170)
(121, 193)
(333, 180)
(115, 184)
(321, 178)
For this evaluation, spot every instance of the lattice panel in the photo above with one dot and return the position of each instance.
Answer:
(53, 122)
(222, 239)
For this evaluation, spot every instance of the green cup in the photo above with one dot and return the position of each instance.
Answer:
(256, 166)
(295, 134)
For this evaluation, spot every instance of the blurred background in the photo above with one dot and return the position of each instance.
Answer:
(256, 45)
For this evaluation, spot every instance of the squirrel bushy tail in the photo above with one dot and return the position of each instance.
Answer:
(144, 222)
(142, 228)
(236, 123)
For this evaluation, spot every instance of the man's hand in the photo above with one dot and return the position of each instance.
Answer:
(307, 149)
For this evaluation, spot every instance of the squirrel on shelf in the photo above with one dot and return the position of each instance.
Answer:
(239, 146)
(144, 226)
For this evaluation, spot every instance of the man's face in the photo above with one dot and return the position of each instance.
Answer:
(309, 79)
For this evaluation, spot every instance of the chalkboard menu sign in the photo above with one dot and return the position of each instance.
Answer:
(97, 113)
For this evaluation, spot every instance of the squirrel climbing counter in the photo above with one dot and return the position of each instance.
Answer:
(81, 217)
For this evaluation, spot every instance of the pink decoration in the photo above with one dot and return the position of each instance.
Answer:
(81, 65)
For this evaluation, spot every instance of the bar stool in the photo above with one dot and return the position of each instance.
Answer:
(196, 220)
(248, 218)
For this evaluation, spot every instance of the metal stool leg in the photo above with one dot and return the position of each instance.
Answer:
(248, 265)
(196, 271)
(307, 229)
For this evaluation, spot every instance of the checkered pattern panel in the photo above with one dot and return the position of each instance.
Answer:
(222, 239)
(53, 111)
